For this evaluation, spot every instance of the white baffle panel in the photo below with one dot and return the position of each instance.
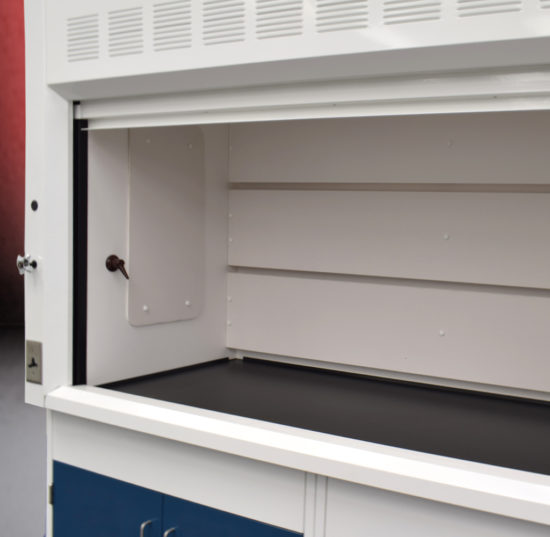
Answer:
(166, 228)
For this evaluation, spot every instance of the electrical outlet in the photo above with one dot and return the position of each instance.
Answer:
(33, 361)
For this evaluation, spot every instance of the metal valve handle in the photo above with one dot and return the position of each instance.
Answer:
(26, 264)
(114, 263)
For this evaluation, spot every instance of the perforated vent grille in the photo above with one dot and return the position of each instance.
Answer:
(278, 18)
(223, 21)
(337, 15)
(172, 25)
(125, 31)
(153, 28)
(473, 8)
(405, 11)
(83, 38)
(545, 4)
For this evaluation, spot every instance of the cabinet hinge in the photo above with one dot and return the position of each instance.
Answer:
(50, 494)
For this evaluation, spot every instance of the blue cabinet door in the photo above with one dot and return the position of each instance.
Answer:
(195, 520)
(92, 505)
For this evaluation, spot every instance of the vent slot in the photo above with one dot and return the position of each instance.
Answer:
(473, 8)
(172, 25)
(125, 31)
(407, 11)
(338, 15)
(278, 18)
(223, 21)
(545, 4)
(83, 38)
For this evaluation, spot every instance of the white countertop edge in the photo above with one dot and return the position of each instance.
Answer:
(483, 487)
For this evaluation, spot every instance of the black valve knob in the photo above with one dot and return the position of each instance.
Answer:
(114, 263)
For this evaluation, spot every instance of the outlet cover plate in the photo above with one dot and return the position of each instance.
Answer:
(33, 361)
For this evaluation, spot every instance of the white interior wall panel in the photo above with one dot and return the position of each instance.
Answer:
(355, 511)
(463, 237)
(113, 39)
(457, 332)
(115, 349)
(446, 148)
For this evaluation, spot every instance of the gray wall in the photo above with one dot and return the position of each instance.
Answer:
(22, 446)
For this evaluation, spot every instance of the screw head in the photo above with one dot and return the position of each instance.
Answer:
(145, 308)
(34, 205)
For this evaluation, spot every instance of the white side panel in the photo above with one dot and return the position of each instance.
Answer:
(58, 247)
(470, 148)
(48, 233)
(34, 182)
(166, 225)
(472, 334)
(355, 511)
(271, 494)
(115, 349)
(462, 237)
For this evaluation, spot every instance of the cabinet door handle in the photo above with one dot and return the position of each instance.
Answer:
(168, 532)
(143, 526)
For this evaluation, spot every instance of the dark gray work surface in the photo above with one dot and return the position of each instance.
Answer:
(514, 433)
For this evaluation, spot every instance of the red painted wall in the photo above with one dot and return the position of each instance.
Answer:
(12, 158)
